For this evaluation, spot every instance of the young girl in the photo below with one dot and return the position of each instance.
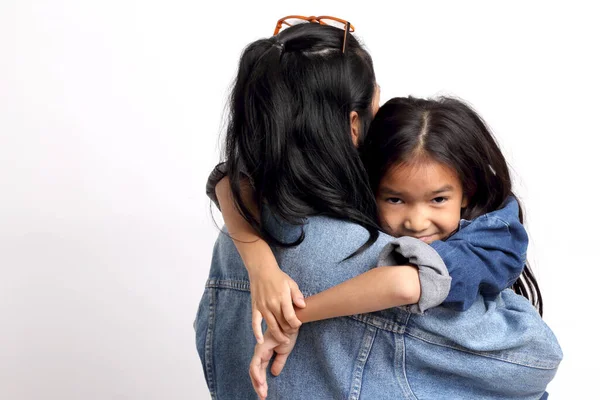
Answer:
(440, 177)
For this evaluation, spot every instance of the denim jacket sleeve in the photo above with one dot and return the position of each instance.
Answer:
(486, 255)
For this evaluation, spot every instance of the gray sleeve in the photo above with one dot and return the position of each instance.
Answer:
(434, 277)
(218, 173)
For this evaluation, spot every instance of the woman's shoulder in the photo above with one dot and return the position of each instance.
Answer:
(346, 234)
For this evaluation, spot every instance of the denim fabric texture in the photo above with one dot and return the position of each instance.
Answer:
(497, 349)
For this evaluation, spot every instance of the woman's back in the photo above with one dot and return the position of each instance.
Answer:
(498, 344)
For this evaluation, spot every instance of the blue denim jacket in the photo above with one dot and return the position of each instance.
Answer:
(497, 349)
(486, 255)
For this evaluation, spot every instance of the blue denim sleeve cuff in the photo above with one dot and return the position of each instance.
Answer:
(485, 256)
(433, 275)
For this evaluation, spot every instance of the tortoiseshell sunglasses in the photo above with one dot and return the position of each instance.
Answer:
(291, 20)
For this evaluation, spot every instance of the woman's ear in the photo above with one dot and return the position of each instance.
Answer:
(465, 201)
(355, 127)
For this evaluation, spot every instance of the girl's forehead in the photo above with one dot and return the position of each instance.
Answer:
(421, 162)
(423, 176)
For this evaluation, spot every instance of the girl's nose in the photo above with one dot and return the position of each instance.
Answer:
(416, 223)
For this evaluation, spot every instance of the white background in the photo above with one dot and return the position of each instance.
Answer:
(109, 120)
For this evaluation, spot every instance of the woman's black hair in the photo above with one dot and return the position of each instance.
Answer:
(450, 132)
(289, 128)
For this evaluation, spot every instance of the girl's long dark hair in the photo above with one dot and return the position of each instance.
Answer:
(289, 128)
(450, 132)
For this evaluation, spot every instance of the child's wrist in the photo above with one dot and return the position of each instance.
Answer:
(258, 260)
(255, 269)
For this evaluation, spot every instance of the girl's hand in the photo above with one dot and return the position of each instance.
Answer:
(274, 294)
(262, 355)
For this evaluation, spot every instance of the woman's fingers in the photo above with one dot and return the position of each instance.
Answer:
(287, 307)
(297, 296)
(274, 329)
(257, 325)
(281, 319)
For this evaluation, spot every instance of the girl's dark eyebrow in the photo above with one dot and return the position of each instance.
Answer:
(387, 190)
(443, 189)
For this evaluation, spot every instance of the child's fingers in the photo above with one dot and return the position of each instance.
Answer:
(259, 388)
(258, 369)
(281, 320)
(297, 296)
(257, 325)
(290, 314)
(274, 329)
(279, 363)
(275, 309)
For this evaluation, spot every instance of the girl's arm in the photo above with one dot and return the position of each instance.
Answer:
(272, 290)
(409, 273)
(386, 286)
(374, 290)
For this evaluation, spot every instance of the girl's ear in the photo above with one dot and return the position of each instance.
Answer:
(465, 201)
(354, 127)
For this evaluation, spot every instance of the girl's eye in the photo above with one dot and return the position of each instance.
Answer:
(394, 200)
(439, 200)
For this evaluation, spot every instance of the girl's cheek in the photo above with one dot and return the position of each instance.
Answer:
(389, 221)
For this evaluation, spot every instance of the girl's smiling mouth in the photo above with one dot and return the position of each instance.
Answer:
(427, 239)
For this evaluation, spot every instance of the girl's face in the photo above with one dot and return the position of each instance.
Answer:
(421, 199)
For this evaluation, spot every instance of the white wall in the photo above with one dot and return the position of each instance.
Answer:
(109, 120)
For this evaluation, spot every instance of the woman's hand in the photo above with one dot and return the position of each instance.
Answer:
(262, 355)
(274, 294)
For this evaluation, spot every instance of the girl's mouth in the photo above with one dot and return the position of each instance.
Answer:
(427, 239)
